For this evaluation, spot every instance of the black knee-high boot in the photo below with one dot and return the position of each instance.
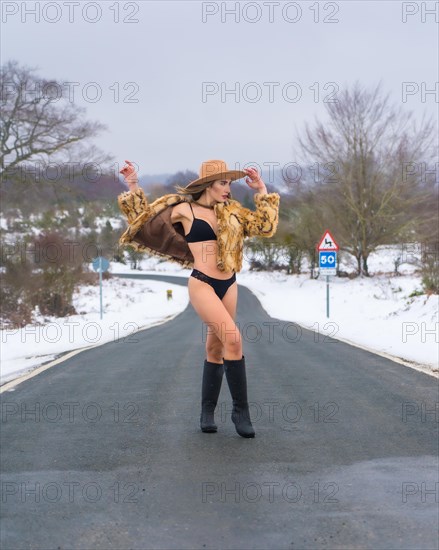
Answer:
(237, 381)
(211, 386)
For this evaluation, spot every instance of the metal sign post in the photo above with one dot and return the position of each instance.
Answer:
(100, 264)
(327, 296)
(327, 261)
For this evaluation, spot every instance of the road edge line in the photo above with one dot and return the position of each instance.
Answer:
(67, 355)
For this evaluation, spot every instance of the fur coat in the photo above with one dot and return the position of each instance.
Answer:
(150, 228)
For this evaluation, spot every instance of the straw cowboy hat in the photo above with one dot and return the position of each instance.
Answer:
(212, 170)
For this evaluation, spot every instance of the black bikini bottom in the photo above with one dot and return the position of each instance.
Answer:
(220, 286)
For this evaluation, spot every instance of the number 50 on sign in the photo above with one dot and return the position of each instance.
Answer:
(327, 261)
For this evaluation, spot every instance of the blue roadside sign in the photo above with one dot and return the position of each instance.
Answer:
(100, 264)
(328, 262)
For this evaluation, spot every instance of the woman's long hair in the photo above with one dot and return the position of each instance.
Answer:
(195, 191)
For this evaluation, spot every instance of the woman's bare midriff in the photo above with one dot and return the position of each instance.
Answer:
(205, 254)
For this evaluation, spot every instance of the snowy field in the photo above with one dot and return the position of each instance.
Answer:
(375, 313)
(128, 306)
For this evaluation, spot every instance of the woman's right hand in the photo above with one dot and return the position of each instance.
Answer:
(130, 174)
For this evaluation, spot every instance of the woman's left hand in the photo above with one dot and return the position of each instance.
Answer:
(254, 180)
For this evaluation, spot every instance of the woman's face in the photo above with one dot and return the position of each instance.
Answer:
(219, 190)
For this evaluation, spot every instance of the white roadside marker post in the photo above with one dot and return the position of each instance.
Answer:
(100, 264)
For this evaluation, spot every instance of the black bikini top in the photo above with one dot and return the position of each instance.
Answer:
(200, 231)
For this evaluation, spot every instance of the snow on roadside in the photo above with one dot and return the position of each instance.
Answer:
(129, 305)
(374, 312)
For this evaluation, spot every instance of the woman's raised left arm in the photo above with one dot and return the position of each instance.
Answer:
(264, 220)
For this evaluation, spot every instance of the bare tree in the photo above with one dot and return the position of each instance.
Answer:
(39, 124)
(41, 129)
(368, 163)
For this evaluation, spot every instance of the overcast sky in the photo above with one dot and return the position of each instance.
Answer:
(172, 51)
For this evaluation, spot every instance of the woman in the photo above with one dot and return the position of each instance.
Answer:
(206, 233)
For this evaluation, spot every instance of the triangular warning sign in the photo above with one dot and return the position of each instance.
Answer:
(327, 242)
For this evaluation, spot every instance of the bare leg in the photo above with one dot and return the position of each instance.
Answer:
(216, 316)
(214, 346)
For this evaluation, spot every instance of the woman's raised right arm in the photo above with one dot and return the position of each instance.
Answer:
(132, 203)
(130, 175)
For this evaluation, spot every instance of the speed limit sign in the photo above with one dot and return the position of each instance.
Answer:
(327, 262)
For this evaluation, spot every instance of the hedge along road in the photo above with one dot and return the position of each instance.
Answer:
(104, 449)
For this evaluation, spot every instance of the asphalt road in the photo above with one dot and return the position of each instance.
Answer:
(104, 450)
